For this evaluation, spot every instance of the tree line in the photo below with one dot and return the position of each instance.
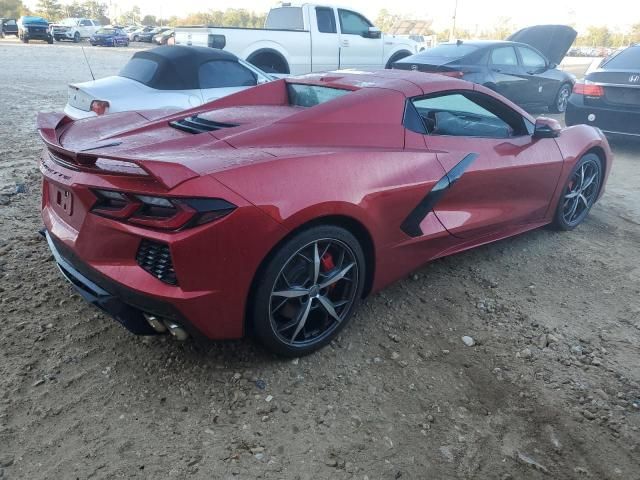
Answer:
(54, 10)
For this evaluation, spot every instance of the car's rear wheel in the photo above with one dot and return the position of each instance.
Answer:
(561, 101)
(76, 37)
(580, 193)
(307, 291)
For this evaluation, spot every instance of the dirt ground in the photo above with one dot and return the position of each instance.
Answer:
(551, 388)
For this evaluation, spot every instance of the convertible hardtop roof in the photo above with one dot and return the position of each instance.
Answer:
(178, 65)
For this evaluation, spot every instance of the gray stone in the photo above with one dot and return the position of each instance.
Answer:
(468, 341)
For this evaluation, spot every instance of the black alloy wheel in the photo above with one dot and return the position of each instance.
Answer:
(580, 193)
(562, 99)
(309, 290)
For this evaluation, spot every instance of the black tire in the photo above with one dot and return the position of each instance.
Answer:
(561, 99)
(2, 35)
(76, 37)
(135, 38)
(396, 56)
(50, 41)
(25, 40)
(564, 219)
(293, 257)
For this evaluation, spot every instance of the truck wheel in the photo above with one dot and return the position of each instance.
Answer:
(2, 35)
(397, 56)
(76, 37)
(269, 61)
(50, 40)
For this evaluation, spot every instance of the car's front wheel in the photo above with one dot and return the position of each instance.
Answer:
(308, 289)
(561, 100)
(76, 37)
(579, 193)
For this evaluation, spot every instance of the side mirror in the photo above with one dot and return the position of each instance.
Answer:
(552, 65)
(373, 32)
(547, 128)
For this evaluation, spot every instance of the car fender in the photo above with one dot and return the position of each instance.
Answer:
(265, 45)
(396, 48)
(574, 143)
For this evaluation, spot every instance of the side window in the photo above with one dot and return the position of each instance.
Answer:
(86, 23)
(326, 20)
(223, 73)
(531, 59)
(462, 115)
(504, 56)
(352, 23)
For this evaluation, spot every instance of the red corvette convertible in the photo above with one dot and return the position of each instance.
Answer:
(275, 210)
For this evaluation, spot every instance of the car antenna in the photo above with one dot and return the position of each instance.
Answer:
(88, 64)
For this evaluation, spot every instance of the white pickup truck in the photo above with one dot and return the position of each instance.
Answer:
(74, 29)
(305, 38)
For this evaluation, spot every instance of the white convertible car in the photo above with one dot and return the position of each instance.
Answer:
(164, 77)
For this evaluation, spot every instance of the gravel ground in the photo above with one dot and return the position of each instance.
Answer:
(546, 387)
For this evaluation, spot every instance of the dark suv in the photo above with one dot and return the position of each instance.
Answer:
(34, 28)
(8, 26)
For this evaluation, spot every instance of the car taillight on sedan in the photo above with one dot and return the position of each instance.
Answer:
(100, 107)
(588, 89)
(157, 212)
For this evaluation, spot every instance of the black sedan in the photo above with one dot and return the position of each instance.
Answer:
(609, 97)
(523, 69)
(148, 36)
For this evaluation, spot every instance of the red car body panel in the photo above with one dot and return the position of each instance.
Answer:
(348, 160)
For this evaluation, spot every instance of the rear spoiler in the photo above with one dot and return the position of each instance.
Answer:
(51, 126)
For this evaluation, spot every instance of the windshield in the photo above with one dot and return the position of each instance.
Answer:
(69, 21)
(311, 95)
(447, 50)
(626, 59)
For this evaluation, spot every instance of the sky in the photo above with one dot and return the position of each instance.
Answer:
(471, 15)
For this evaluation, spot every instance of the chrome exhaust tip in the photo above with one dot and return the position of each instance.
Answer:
(155, 323)
(176, 331)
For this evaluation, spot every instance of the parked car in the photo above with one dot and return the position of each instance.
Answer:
(134, 36)
(33, 28)
(8, 26)
(163, 38)
(74, 29)
(148, 36)
(307, 38)
(277, 209)
(609, 96)
(109, 37)
(176, 77)
(522, 69)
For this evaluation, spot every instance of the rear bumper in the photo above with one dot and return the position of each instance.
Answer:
(123, 304)
(617, 121)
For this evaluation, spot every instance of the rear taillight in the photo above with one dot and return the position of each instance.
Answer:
(452, 74)
(160, 212)
(588, 89)
(100, 107)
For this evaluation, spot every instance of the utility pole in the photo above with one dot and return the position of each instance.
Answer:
(452, 32)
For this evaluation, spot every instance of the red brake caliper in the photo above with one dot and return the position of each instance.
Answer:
(328, 265)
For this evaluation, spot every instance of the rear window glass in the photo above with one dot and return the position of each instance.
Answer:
(629, 58)
(139, 69)
(285, 18)
(107, 31)
(312, 95)
(448, 50)
(223, 73)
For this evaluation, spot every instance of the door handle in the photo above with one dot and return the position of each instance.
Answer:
(344, 42)
(497, 70)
